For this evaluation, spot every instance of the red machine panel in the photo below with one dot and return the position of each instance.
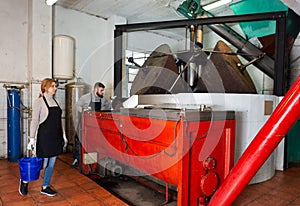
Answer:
(190, 149)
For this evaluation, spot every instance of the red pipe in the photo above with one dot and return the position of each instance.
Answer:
(264, 143)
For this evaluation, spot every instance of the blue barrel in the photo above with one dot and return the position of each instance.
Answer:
(30, 168)
(13, 125)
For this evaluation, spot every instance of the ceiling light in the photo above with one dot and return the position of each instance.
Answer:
(216, 4)
(50, 2)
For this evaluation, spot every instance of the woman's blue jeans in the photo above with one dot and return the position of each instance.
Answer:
(48, 165)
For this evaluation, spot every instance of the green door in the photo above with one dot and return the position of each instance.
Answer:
(293, 146)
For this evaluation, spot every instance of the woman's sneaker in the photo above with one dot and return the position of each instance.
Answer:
(74, 163)
(23, 188)
(48, 191)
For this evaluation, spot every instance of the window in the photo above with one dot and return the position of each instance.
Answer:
(131, 69)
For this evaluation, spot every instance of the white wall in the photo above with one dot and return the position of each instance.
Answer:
(147, 41)
(39, 40)
(13, 40)
(94, 44)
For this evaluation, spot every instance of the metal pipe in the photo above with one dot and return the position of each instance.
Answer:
(266, 64)
(131, 60)
(264, 143)
(199, 41)
(192, 74)
(199, 21)
(192, 37)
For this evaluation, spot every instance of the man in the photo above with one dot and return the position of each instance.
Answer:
(94, 101)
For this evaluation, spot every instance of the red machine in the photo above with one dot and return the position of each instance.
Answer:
(190, 149)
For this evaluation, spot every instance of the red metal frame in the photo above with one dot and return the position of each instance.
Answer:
(180, 154)
(277, 126)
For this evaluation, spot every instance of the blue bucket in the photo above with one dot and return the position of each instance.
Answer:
(30, 168)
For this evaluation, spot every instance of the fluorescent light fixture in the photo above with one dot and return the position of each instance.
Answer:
(216, 4)
(50, 2)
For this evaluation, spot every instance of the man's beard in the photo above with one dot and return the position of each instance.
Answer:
(99, 95)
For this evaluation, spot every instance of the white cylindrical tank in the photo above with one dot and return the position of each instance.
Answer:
(63, 57)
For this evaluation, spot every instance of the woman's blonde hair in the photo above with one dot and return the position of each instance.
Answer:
(46, 84)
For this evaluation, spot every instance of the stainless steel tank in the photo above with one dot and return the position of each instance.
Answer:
(73, 91)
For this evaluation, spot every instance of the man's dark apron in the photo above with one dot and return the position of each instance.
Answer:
(50, 135)
(95, 106)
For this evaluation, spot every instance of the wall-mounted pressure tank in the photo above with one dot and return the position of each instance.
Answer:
(63, 57)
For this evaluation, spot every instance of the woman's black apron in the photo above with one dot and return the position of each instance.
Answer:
(50, 135)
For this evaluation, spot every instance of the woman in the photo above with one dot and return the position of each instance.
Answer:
(46, 137)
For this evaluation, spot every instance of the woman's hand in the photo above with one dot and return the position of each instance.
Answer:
(65, 141)
(31, 144)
